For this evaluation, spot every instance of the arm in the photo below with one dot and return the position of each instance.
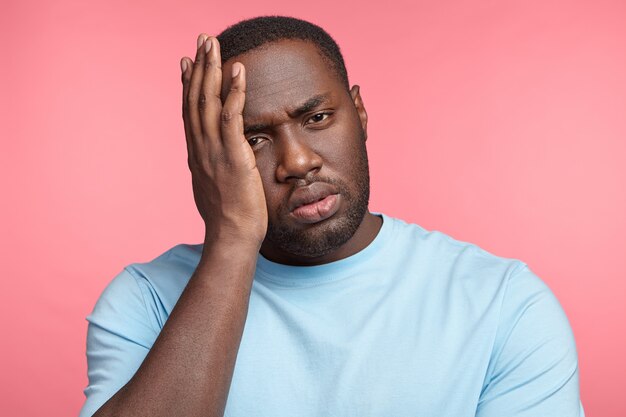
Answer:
(188, 370)
(534, 366)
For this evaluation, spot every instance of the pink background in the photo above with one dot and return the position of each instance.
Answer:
(500, 123)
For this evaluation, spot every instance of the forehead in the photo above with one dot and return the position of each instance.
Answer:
(282, 75)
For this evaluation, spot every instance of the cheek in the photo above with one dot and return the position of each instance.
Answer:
(267, 170)
(340, 146)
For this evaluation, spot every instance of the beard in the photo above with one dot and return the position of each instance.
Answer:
(328, 235)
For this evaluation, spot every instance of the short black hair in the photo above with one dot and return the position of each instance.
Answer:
(252, 33)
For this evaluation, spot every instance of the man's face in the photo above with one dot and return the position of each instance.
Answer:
(317, 153)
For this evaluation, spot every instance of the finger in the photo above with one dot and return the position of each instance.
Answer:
(186, 67)
(195, 89)
(232, 111)
(211, 89)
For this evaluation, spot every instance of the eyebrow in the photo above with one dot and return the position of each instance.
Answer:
(305, 107)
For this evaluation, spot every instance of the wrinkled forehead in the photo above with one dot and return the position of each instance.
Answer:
(281, 75)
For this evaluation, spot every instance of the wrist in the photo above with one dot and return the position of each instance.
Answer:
(233, 236)
(230, 245)
(233, 263)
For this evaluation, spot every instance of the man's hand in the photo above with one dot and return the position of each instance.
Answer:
(227, 185)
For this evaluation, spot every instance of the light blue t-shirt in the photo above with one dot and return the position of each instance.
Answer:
(415, 324)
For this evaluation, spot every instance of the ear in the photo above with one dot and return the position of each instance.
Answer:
(360, 108)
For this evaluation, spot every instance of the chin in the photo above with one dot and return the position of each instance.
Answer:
(316, 239)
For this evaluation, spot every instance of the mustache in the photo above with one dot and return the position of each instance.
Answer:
(313, 178)
(309, 179)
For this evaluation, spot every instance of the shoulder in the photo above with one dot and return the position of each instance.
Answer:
(533, 360)
(465, 261)
(446, 257)
(149, 288)
(467, 278)
(128, 317)
(173, 262)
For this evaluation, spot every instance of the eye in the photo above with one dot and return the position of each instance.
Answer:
(319, 117)
(254, 141)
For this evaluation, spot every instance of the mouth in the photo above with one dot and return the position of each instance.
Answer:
(314, 203)
(318, 210)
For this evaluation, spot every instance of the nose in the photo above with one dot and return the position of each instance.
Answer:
(296, 159)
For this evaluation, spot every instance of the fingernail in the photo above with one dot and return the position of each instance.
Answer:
(236, 69)
(183, 65)
(207, 45)
(201, 39)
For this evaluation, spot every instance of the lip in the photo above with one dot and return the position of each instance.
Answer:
(318, 210)
(314, 203)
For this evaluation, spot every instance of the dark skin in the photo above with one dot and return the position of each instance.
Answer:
(322, 141)
(241, 184)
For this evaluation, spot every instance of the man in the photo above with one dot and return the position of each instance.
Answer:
(301, 302)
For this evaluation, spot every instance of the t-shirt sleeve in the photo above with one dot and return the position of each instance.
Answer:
(119, 336)
(534, 366)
